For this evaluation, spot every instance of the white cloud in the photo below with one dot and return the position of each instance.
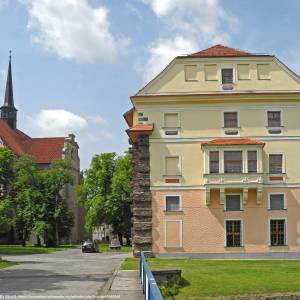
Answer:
(73, 29)
(97, 120)
(163, 51)
(57, 122)
(193, 23)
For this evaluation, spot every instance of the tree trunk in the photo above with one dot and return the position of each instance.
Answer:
(128, 241)
(23, 241)
(38, 241)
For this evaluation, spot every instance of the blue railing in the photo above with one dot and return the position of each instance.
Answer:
(150, 288)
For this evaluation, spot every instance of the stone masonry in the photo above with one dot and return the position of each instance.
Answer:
(142, 198)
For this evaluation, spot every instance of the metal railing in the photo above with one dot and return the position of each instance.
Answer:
(150, 288)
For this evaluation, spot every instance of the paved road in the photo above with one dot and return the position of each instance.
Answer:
(63, 273)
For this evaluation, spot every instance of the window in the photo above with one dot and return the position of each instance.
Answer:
(214, 162)
(173, 203)
(274, 118)
(263, 71)
(230, 119)
(277, 201)
(275, 163)
(227, 76)
(243, 71)
(277, 232)
(233, 233)
(172, 165)
(211, 72)
(171, 120)
(252, 161)
(190, 72)
(233, 203)
(233, 161)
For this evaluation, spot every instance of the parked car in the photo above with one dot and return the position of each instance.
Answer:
(88, 246)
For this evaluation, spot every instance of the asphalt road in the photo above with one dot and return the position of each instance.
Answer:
(63, 273)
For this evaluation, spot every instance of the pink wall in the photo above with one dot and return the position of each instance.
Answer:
(203, 225)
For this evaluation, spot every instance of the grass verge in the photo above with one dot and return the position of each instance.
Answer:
(105, 248)
(218, 278)
(6, 264)
(18, 249)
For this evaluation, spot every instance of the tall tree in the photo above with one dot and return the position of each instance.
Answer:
(105, 192)
(7, 159)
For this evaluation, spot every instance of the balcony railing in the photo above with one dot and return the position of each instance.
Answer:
(240, 178)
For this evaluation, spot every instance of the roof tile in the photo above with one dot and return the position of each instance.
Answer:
(231, 141)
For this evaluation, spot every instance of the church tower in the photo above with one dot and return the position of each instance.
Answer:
(8, 110)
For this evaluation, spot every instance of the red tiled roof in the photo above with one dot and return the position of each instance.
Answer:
(10, 139)
(220, 51)
(236, 141)
(45, 150)
(140, 129)
(128, 116)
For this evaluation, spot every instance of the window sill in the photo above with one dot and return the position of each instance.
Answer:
(233, 247)
(170, 128)
(170, 212)
(276, 174)
(276, 246)
(284, 209)
(233, 210)
(165, 175)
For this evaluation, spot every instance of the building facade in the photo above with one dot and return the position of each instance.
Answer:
(216, 148)
(44, 151)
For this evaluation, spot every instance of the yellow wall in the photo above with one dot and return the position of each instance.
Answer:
(173, 78)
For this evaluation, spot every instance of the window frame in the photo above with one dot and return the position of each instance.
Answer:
(241, 232)
(284, 201)
(258, 73)
(248, 161)
(219, 169)
(283, 169)
(221, 75)
(179, 165)
(165, 203)
(178, 121)
(238, 119)
(285, 231)
(233, 194)
(224, 162)
(185, 67)
(267, 118)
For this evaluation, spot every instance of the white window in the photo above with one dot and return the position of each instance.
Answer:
(214, 162)
(233, 161)
(190, 72)
(277, 201)
(275, 163)
(274, 119)
(252, 161)
(172, 165)
(233, 202)
(231, 119)
(227, 76)
(172, 203)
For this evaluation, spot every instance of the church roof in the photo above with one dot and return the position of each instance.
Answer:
(220, 51)
(43, 150)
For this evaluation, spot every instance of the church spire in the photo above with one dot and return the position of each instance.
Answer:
(8, 110)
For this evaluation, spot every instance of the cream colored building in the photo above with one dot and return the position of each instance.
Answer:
(221, 177)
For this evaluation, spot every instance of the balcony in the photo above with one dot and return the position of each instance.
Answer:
(232, 180)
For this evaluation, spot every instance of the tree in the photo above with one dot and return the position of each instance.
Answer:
(96, 189)
(7, 159)
(105, 192)
(55, 214)
(27, 196)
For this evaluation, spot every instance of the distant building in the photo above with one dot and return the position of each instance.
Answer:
(216, 151)
(44, 151)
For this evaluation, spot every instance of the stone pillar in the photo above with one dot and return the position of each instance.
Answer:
(142, 198)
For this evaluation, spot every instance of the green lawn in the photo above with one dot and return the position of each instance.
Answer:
(217, 278)
(6, 264)
(105, 248)
(18, 249)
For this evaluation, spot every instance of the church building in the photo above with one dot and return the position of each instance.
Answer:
(44, 151)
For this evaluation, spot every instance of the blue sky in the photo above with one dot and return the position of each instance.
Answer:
(76, 62)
